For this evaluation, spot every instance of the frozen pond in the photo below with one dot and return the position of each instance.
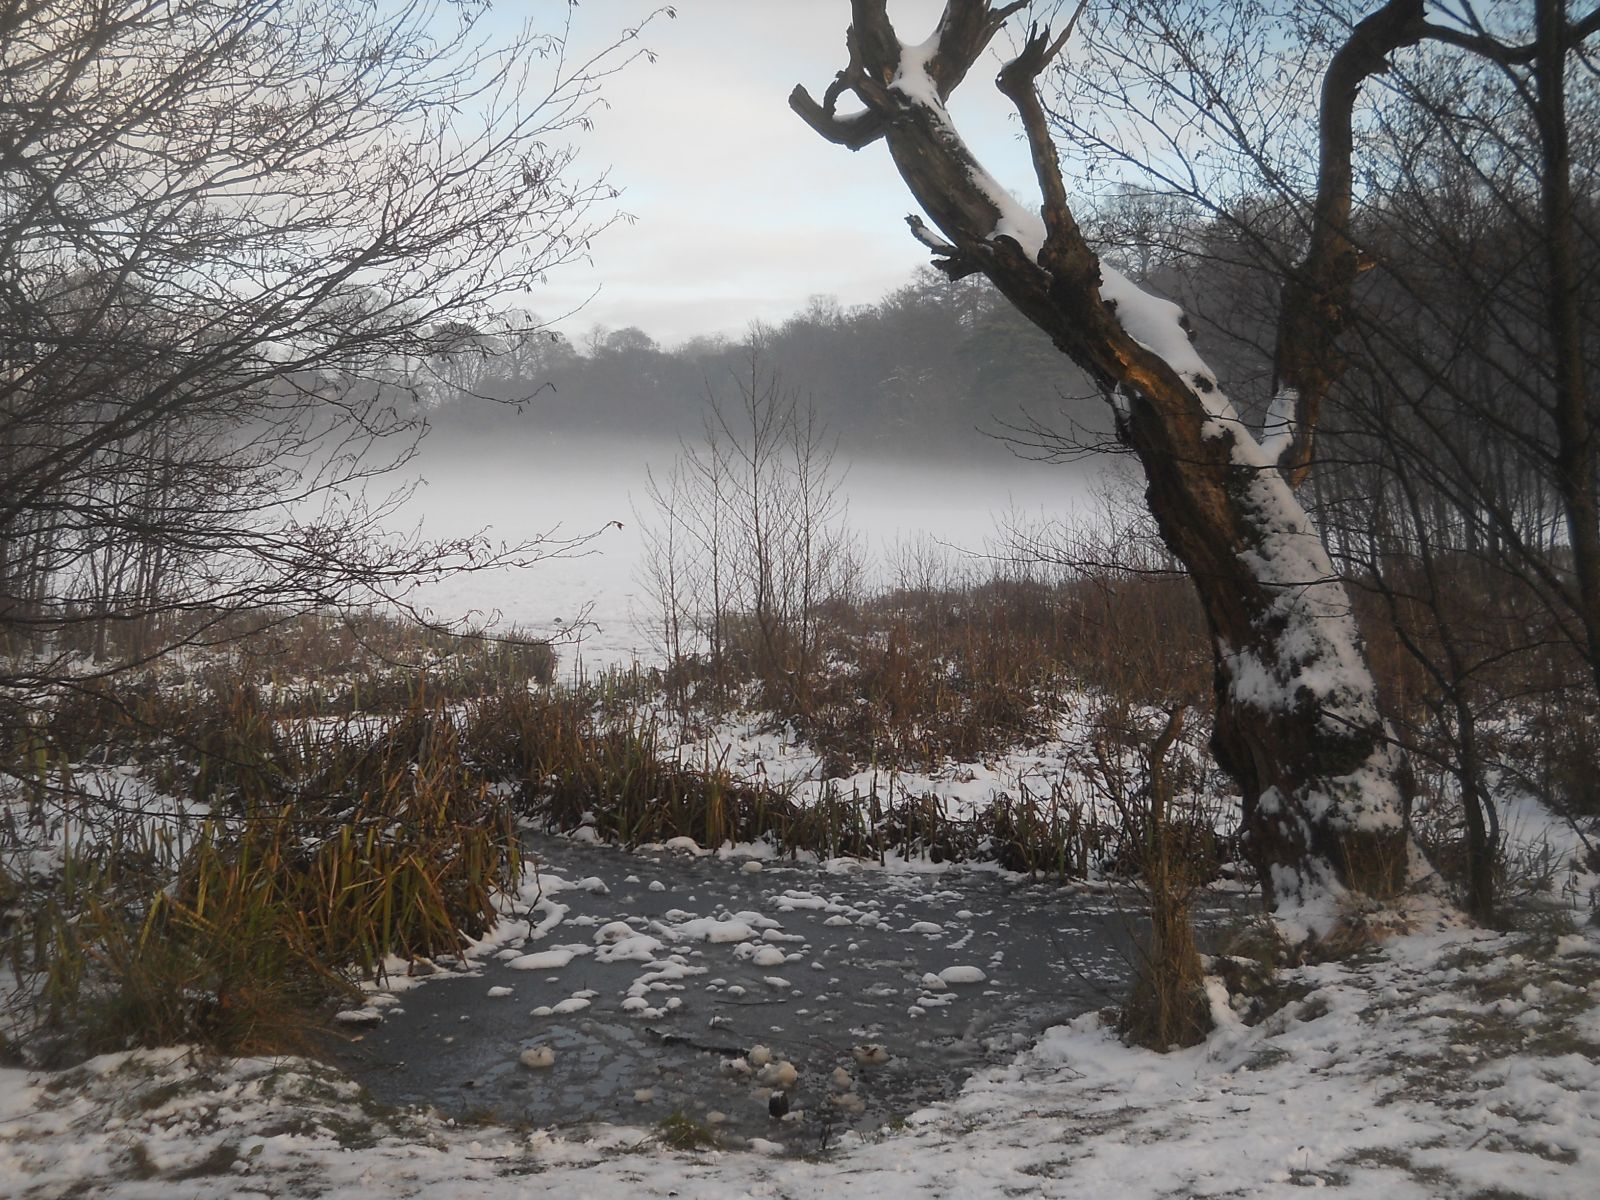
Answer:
(648, 974)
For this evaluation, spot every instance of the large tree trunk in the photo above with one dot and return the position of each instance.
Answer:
(1576, 452)
(1298, 723)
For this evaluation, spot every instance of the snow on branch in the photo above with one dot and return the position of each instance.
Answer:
(947, 256)
(1278, 429)
(1161, 328)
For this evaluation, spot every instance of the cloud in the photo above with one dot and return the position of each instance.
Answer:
(741, 212)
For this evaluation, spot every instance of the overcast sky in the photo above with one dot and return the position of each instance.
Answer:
(741, 211)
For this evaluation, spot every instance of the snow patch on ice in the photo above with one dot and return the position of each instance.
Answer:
(714, 929)
(962, 975)
(548, 960)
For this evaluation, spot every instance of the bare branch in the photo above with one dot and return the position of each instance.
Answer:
(1307, 361)
(1510, 56)
(965, 31)
(1064, 251)
(947, 258)
(855, 132)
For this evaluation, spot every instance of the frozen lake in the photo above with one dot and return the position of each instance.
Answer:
(571, 486)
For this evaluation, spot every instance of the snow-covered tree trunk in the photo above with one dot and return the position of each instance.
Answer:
(1298, 723)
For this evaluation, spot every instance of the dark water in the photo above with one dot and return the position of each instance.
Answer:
(858, 950)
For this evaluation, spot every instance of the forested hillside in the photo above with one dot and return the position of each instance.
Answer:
(916, 373)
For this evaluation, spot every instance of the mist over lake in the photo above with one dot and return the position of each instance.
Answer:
(567, 485)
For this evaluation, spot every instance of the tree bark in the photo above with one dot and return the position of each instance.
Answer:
(1298, 724)
(1576, 452)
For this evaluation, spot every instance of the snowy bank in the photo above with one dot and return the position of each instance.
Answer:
(1443, 1064)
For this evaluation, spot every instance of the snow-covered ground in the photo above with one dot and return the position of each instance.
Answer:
(1062, 764)
(1443, 1063)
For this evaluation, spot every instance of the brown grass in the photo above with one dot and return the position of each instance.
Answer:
(919, 676)
(1167, 1007)
(332, 844)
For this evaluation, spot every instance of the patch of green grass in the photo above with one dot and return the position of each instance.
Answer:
(680, 1131)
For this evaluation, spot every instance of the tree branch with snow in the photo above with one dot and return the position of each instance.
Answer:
(1298, 723)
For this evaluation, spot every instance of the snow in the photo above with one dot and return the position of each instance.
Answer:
(618, 943)
(914, 82)
(684, 845)
(358, 1016)
(1157, 325)
(1442, 1064)
(962, 975)
(913, 79)
(752, 750)
(1317, 661)
(547, 960)
(715, 929)
(1532, 831)
(1320, 644)
(1278, 430)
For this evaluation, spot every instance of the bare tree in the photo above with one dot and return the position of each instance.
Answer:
(1298, 722)
(1446, 484)
(1473, 162)
(748, 543)
(1577, 418)
(228, 233)
(1208, 111)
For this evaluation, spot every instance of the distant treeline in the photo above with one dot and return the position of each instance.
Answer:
(919, 372)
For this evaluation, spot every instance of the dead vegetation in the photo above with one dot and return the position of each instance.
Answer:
(236, 834)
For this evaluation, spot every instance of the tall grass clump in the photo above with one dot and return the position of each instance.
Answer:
(290, 855)
(577, 760)
(1168, 1006)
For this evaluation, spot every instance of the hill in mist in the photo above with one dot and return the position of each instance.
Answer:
(924, 372)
